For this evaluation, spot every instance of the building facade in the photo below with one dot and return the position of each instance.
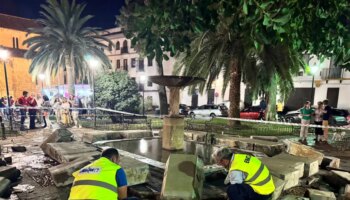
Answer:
(13, 31)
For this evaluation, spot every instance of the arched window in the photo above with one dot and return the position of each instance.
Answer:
(117, 46)
(125, 47)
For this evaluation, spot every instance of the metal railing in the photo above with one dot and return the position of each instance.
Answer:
(332, 73)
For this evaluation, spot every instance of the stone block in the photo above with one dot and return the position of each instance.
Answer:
(329, 161)
(303, 151)
(183, 178)
(136, 171)
(58, 135)
(9, 172)
(173, 133)
(320, 195)
(195, 136)
(340, 178)
(275, 161)
(4, 187)
(265, 138)
(249, 152)
(279, 186)
(90, 136)
(310, 164)
(62, 174)
(290, 174)
(67, 151)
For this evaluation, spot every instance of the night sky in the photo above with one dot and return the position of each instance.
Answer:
(104, 11)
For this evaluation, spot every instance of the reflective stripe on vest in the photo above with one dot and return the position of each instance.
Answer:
(96, 181)
(258, 176)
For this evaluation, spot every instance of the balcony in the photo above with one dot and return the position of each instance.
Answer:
(332, 73)
(124, 50)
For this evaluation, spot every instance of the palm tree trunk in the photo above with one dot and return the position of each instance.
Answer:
(163, 101)
(271, 100)
(235, 91)
(70, 76)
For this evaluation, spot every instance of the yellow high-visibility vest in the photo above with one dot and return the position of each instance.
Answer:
(96, 181)
(257, 174)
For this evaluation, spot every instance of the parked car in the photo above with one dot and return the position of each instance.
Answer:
(252, 112)
(209, 110)
(338, 117)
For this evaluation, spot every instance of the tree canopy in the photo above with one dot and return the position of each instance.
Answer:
(63, 42)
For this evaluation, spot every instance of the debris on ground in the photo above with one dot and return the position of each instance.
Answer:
(23, 188)
(19, 148)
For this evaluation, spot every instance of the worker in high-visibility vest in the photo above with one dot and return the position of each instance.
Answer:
(249, 178)
(102, 179)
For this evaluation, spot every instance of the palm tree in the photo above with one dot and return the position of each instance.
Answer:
(219, 52)
(63, 43)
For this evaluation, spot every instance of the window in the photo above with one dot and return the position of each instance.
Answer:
(118, 64)
(65, 79)
(141, 65)
(125, 64)
(117, 46)
(133, 62)
(150, 62)
(149, 83)
(125, 47)
(17, 43)
(141, 86)
(133, 78)
(13, 42)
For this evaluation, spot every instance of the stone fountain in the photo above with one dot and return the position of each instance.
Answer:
(173, 124)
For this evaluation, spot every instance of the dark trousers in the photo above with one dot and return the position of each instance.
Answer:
(32, 116)
(318, 131)
(45, 124)
(23, 117)
(244, 192)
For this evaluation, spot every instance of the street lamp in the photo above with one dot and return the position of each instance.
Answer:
(93, 63)
(313, 70)
(42, 78)
(143, 80)
(4, 55)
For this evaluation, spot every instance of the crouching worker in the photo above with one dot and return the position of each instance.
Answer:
(100, 180)
(249, 178)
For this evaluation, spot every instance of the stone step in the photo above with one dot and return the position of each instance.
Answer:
(183, 178)
(310, 164)
(298, 149)
(67, 151)
(290, 174)
(320, 195)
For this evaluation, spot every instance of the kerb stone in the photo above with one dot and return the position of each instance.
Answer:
(310, 164)
(266, 138)
(183, 178)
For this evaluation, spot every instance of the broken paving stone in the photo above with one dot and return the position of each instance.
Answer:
(266, 138)
(341, 178)
(329, 161)
(303, 151)
(320, 195)
(183, 178)
(8, 160)
(23, 188)
(4, 187)
(58, 135)
(19, 148)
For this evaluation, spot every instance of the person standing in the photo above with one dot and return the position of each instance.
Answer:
(32, 103)
(327, 111)
(318, 121)
(102, 179)
(249, 178)
(75, 103)
(279, 108)
(46, 111)
(65, 113)
(39, 112)
(57, 109)
(23, 103)
(306, 113)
